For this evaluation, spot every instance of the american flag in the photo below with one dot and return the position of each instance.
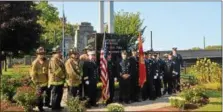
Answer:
(104, 71)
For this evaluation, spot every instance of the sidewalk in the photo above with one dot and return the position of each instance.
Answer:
(137, 106)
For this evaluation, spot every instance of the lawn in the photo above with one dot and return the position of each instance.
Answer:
(17, 71)
(215, 103)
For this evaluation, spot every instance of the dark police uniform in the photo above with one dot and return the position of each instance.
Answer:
(168, 76)
(157, 81)
(161, 64)
(134, 71)
(124, 68)
(148, 90)
(90, 72)
(178, 63)
(111, 76)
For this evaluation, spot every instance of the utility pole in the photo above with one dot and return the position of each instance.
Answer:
(204, 42)
(151, 41)
(63, 43)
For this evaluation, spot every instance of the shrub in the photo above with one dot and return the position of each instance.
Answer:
(74, 104)
(115, 107)
(99, 85)
(26, 97)
(9, 85)
(213, 86)
(177, 102)
(195, 95)
(206, 71)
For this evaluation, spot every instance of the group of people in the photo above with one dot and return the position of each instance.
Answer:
(81, 74)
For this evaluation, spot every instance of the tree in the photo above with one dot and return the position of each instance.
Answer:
(195, 48)
(213, 47)
(52, 24)
(19, 29)
(127, 23)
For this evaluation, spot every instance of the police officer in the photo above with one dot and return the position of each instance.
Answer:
(39, 75)
(134, 72)
(111, 77)
(177, 58)
(73, 77)
(161, 63)
(157, 77)
(150, 69)
(125, 78)
(90, 74)
(57, 75)
(168, 75)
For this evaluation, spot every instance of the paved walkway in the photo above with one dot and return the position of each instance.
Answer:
(138, 106)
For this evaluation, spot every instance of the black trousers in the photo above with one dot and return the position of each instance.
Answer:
(157, 84)
(168, 84)
(174, 83)
(135, 89)
(125, 89)
(90, 91)
(151, 90)
(74, 91)
(111, 90)
(178, 82)
(43, 100)
(57, 94)
(144, 91)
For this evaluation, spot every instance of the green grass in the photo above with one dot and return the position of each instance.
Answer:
(17, 71)
(215, 103)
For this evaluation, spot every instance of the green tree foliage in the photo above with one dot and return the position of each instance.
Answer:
(206, 71)
(127, 23)
(52, 24)
(213, 47)
(19, 29)
(195, 48)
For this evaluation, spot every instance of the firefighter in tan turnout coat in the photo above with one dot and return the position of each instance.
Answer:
(39, 76)
(73, 77)
(57, 74)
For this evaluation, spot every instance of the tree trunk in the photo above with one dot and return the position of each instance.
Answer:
(0, 67)
(5, 65)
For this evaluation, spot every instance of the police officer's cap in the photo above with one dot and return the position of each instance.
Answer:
(40, 50)
(91, 52)
(124, 52)
(174, 48)
(170, 53)
(165, 55)
(134, 50)
(56, 49)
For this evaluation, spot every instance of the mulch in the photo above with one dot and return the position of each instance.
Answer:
(9, 107)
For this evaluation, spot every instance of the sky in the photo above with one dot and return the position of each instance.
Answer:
(173, 24)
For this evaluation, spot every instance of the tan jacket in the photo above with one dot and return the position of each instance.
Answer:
(57, 72)
(39, 72)
(73, 77)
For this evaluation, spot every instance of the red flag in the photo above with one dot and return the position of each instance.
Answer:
(142, 67)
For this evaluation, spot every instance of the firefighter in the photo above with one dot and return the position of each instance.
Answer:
(57, 75)
(39, 76)
(73, 77)
(157, 75)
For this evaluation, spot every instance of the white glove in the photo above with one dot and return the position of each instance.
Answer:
(115, 79)
(87, 82)
(155, 77)
(161, 77)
